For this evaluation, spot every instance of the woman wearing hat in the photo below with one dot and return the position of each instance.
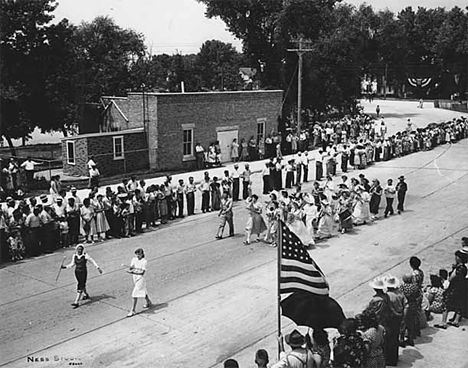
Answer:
(138, 270)
(79, 261)
(456, 297)
(299, 356)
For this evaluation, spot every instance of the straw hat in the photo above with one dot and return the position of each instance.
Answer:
(392, 282)
(308, 198)
(377, 283)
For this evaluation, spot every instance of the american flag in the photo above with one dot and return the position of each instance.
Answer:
(298, 270)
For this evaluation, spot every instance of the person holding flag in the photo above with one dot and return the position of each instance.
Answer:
(308, 302)
(79, 261)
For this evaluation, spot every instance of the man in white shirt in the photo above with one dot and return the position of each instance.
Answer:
(190, 190)
(318, 165)
(305, 164)
(235, 176)
(59, 207)
(28, 167)
(298, 163)
(389, 192)
(91, 163)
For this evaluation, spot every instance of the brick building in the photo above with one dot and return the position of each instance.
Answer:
(174, 123)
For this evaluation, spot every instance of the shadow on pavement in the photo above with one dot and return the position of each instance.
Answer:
(408, 357)
(154, 308)
(95, 299)
(426, 335)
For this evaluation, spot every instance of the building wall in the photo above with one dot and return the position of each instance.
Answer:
(81, 157)
(208, 111)
(114, 120)
(101, 148)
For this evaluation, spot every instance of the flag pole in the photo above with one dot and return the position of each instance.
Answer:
(280, 247)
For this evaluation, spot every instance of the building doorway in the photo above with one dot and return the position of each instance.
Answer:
(225, 139)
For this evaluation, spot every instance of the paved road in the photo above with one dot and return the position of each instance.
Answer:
(216, 299)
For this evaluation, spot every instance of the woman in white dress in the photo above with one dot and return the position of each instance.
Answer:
(102, 226)
(296, 225)
(361, 212)
(138, 270)
(310, 212)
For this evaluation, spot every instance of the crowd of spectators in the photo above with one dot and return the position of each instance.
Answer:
(393, 319)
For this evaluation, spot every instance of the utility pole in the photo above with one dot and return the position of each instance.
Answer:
(300, 50)
(385, 81)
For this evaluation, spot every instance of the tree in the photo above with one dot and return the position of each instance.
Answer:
(23, 42)
(106, 53)
(218, 65)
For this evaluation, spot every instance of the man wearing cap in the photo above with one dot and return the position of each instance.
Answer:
(401, 189)
(397, 306)
(299, 356)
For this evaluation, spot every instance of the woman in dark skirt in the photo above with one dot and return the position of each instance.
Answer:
(456, 297)
(376, 194)
(79, 261)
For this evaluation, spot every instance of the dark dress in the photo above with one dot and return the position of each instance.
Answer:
(456, 294)
(349, 351)
(81, 271)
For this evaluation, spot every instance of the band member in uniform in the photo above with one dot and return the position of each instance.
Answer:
(79, 261)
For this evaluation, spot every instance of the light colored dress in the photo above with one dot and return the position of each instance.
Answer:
(87, 217)
(326, 225)
(139, 290)
(361, 212)
(296, 225)
(255, 223)
(102, 225)
(310, 212)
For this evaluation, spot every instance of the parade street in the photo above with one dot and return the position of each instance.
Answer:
(216, 299)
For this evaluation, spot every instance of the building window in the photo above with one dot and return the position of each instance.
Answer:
(71, 152)
(260, 129)
(187, 142)
(118, 148)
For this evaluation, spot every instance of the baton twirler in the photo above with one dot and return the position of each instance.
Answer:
(60, 269)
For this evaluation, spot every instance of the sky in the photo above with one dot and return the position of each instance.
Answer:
(171, 26)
